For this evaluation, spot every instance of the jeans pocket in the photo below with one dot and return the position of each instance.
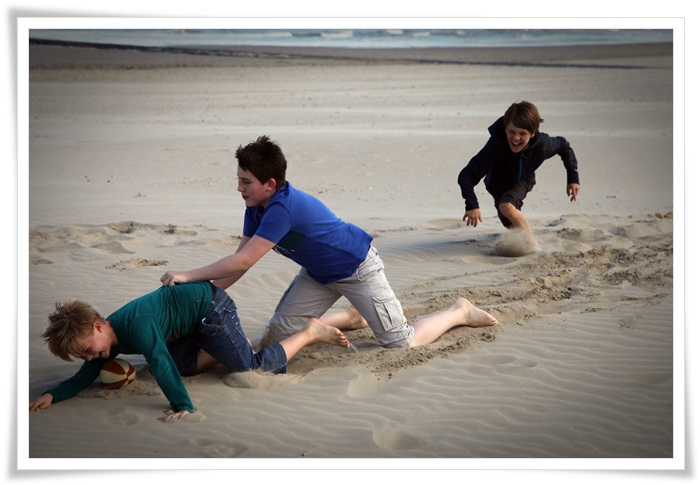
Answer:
(210, 326)
(218, 318)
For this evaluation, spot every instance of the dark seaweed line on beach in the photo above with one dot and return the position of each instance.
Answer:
(158, 50)
(211, 51)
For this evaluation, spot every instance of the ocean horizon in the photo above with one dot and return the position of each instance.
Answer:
(355, 38)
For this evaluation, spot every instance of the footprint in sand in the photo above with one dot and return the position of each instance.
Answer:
(218, 449)
(365, 385)
(112, 248)
(123, 417)
(58, 247)
(395, 439)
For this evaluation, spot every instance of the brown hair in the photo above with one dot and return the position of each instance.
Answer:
(523, 115)
(264, 159)
(70, 322)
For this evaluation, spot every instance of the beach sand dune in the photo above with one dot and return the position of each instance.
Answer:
(132, 173)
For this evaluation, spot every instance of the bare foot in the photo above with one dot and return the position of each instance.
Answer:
(473, 316)
(319, 332)
(516, 243)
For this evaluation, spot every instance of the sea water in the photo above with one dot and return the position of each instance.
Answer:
(356, 38)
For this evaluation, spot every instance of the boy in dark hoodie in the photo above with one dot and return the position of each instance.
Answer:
(508, 162)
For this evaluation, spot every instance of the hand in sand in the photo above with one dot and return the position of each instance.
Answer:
(473, 217)
(169, 415)
(43, 402)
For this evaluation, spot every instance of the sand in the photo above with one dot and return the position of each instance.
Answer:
(132, 173)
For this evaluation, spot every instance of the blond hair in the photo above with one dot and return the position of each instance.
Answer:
(71, 322)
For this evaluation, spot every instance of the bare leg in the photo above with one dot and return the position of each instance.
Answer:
(314, 332)
(463, 312)
(519, 221)
(349, 319)
(205, 361)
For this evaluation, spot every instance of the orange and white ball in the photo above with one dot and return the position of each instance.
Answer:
(117, 373)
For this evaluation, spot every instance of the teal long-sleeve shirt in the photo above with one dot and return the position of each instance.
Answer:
(146, 326)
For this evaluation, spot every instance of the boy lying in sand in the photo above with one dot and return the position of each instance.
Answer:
(509, 159)
(181, 331)
(336, 258)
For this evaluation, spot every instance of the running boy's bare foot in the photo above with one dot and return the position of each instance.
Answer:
(473, 316)
(516, 243)
(319, 332)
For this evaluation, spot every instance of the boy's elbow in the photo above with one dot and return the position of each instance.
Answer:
(464, 179)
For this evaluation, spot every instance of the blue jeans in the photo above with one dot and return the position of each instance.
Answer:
(220, 335)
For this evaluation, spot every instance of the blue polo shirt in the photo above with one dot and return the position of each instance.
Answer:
(309, 233)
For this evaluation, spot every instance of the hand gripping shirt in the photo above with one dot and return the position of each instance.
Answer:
(146, 326)
(307, 232)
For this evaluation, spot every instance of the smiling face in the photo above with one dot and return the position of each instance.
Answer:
(518, 138)
(96, 345)
(254, 192)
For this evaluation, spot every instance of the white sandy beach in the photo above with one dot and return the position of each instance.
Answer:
(132, 173)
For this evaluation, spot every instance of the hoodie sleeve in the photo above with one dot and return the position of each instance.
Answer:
(558, 145)
(476, 169)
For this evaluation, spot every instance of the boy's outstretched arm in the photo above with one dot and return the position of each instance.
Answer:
(224, 283)
(233, 266)
(43, 402)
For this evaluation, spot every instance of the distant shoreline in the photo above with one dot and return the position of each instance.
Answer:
(65, 54)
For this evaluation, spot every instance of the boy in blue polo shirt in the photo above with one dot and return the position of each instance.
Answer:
(336, 258)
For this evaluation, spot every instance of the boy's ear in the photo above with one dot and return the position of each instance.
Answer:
(272, 184)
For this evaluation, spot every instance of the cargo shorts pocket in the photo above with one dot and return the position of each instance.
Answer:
(389, 310)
